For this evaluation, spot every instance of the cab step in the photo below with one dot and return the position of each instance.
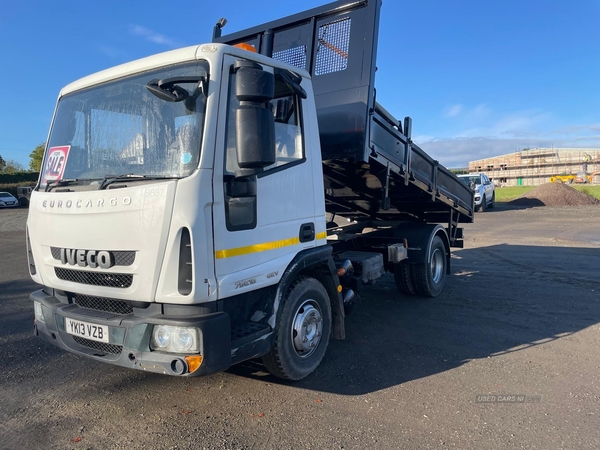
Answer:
(250, 340)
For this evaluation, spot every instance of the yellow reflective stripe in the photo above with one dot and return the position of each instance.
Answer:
(239, 251)
(229, 253)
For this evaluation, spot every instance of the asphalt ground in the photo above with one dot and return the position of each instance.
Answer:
(519, 317)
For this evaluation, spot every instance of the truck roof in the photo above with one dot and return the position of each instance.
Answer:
(186, 54)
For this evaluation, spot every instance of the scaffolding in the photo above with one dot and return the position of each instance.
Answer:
(532, 167)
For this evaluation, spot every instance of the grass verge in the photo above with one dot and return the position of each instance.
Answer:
(506, 194)
(594, 191)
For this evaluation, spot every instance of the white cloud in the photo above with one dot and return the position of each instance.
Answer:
(520, 124)
(480, 111)
(152, 36)
(457, 152)
(453, 111)
(111, 52)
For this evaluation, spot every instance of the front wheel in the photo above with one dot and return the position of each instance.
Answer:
(483, 206)
(302, 331)
(493, 202)
(429, 277)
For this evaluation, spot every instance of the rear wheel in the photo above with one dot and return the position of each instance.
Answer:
(302, 331)
(429, 277)
(403, 278)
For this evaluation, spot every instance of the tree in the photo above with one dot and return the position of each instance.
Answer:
(36, 157)
(2, 164)
(12, 166)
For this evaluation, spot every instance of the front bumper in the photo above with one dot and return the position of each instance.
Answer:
(129, 337)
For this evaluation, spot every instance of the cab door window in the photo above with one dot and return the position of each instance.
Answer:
(289, 145)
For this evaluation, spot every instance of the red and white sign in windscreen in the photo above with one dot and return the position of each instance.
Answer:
(56, 162)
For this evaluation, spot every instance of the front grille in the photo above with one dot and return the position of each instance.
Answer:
(121, 258)
(100, 346)
(103, 304)
(116, 280)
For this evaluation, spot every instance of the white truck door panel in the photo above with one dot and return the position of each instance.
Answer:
(248, 258)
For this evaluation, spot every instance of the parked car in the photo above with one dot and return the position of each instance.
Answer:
(24, 194)
(7, 200)
(485, 191)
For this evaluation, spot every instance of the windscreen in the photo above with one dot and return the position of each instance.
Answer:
(120, 128)
(471, 180)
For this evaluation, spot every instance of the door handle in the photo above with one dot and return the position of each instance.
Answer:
(307, 232)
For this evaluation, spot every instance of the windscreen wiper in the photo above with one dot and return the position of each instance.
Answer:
(110, 179)
(65, 182)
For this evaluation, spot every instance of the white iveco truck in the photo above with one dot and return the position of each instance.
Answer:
(227, 201)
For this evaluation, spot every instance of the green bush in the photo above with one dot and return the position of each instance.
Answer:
(30, 177)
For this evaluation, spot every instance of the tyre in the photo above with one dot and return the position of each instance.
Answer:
(483, 206)
(493, 202)
(403, 278)
(23, 202)
(428, 278)
(302, 331)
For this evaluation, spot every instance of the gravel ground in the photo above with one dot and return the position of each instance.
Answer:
(13, 219)
(520, 315)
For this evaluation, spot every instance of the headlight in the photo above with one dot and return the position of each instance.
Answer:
(172, 339)
(39, 314)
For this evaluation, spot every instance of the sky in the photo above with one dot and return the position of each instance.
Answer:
(479, 78)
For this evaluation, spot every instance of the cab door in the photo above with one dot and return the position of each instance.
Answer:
(260, 222)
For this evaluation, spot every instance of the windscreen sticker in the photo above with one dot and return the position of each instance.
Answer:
(186, 158)
(56, 161)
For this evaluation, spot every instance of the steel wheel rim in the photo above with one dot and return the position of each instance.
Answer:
(437, 265)
(307, 328)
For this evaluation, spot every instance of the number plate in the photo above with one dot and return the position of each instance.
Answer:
(86, 330)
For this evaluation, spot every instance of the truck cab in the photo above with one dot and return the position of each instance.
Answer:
(150, 200)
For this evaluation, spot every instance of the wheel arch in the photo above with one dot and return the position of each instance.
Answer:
(420, 237)
(316, 263)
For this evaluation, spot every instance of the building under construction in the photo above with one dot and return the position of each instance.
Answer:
(532, 167)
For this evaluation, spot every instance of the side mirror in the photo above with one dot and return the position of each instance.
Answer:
(254, 121)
